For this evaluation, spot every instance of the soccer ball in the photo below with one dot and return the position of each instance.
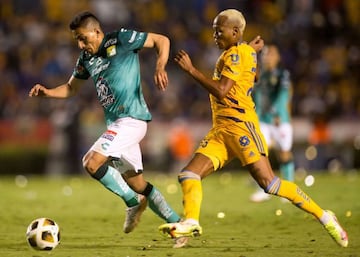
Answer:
(43, 234)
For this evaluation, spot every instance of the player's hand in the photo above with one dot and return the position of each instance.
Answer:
(257, 43)
(161, 79)
(38, 90)
(184, 61)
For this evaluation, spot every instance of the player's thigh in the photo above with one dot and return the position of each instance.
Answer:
(121, 143)
(211, 155)
(246, 142)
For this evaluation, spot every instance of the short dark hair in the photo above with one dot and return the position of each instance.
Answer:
(82, 19)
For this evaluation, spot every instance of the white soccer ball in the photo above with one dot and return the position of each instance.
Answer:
(43, 234)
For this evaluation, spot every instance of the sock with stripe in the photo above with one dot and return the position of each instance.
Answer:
(192, 194)
(113, 181)
(293, 193)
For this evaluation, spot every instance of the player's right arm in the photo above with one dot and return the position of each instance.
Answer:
(65, 90)
(218, 88)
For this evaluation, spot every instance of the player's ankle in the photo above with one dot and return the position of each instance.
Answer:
(325, 218)
(191, 221)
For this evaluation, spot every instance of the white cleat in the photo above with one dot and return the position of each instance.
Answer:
(336, 231)
(133, 214)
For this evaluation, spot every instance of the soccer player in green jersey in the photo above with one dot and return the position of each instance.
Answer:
(112, 61)
(272, 96)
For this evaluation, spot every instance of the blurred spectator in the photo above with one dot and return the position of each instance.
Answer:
(322, 53)
(181, 144)
(320, 138)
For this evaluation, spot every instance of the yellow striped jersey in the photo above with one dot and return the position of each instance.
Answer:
(238, 63)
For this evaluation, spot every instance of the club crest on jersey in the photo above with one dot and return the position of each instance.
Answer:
(109, 135)
(204, 143)
(234, 58)
(244, 141)
(111, 51)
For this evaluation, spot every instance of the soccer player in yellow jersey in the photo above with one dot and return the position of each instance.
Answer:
(235, 132)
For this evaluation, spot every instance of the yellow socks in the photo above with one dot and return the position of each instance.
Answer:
(192, 194)
(293, 193)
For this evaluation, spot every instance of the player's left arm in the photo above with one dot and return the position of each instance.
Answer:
(218, 88)
(162, 45)
(257, 44)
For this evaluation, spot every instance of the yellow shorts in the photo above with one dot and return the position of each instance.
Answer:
(242, 140)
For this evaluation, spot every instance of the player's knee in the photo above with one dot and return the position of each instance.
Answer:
(89, 164)
(88, 167)
(285, 157)
(92, 161)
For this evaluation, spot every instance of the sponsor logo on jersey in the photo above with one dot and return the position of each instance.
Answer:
(244, 141)
(104, 93)
(111, 41)
(100, 63)
(109, 135)
(111, 51)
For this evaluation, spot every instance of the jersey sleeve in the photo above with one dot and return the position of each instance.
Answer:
(132, 39)
(80, 72)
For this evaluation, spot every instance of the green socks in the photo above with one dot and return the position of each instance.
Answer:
(112, 180)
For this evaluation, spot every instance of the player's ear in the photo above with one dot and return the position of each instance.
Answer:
(236, 31)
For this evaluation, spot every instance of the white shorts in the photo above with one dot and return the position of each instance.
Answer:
(121, 141)
(280, 137)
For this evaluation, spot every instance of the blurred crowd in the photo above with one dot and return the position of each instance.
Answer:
(319, 42)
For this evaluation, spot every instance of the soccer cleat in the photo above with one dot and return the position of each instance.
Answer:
(133, 214)
(180, 229)
(335, 230)
(259, 196)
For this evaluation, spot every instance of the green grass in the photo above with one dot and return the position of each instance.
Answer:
(91, 219)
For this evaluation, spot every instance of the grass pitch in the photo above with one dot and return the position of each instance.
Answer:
(91, 218)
